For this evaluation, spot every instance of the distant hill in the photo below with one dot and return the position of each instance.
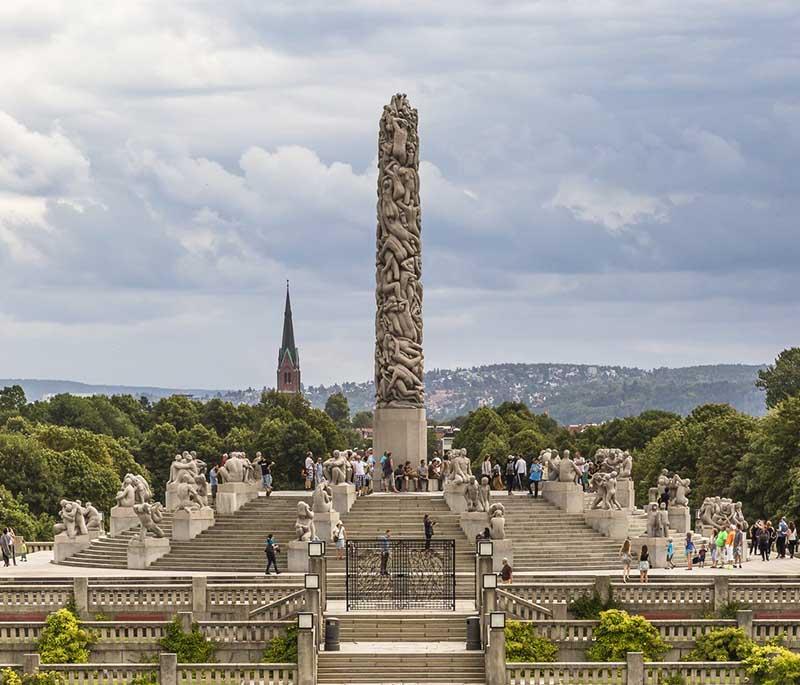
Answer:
(573, 393)
(570, 393)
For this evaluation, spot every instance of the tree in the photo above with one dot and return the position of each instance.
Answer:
(202, 440)
(159, 446)
(298, 438)
(478, 426)
(221, 416)
(12, 399)
(494, 446)
(63, 641)
(781, 379)
(524, 644)
(179, 411)
(362, 419)
(16, 514)
(338, 408)
(528, 443)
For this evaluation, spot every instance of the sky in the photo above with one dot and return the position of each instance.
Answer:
(602, 181)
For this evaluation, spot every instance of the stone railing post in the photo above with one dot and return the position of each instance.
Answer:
(634, 668)
(744, 619)
(306, 656)
(80, 594)
(30, 663)
(602, 586)
(200, 607)
(319, 565)
(167, 669)
(495, 655)
(721, 591)
(488, 605)
(186, 619)
(483, 565)
(312, 605)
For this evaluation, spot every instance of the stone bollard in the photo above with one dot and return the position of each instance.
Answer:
(200, 606)
(744, 619)
(488, 605)
(30, 663)
(484, 566)
(602, 586)
(495, 660)
(721, 594)
(185, 618)
(634, 671)
(319, 566)
(80, 593)
(312, 605)
(306, 657)
(167, 669)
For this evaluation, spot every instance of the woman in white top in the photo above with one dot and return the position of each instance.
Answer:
(339, 538)
(358, 476)
(486, 467)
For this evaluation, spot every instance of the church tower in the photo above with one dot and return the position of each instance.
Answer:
(288, 357)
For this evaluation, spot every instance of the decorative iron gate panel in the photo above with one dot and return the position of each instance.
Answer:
(415, 574)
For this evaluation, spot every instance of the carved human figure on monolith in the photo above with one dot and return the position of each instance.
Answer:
(73, 522)
(484, 494)
(678, 490)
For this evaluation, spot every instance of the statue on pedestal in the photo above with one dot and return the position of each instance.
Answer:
(188, 497)
(150, 515)
(656, 527)
(678, 489)
(484, 494)
(497, 521)
(322, 500)
(92, 517)
(471, 494)
(134, 490)
(605, 487)
(73, 522)
(304, 524)
(336, 468)
(237, 469)
(460, 469)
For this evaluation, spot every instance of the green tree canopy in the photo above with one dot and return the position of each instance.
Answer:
(338, 408)
(781, 379)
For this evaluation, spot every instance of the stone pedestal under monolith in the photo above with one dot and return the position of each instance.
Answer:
(122, 519)
(189, 524)
(142, 553)
(403, 431)
(324, 523)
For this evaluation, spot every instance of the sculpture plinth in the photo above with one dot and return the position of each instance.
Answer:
(233, 496)
(344, 496)
(473, 523)
(454, 496)
(680, 519)
(566, 496)
(187, 525)
(122, 519)
(324, 523)
(656, 550)
(399, 423)
(142, 553)
(613, 523)
(502, 549)
(626, 494)
(297, 556)
(65, 546)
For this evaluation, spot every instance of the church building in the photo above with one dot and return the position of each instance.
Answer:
(288, 357)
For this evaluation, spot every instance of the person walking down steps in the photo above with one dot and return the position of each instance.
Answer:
(271, 549)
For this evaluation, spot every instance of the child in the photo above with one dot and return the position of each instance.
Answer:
(670, 553)
(700, 559)
(22, 547)
(644, 564)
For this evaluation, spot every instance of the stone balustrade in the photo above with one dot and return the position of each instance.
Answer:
(618, 673)
(696, 673)
(517, 606)
(40, 546)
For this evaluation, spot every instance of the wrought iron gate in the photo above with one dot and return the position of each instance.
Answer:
(413, 574)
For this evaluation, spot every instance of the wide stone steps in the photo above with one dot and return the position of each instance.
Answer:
(108, 552)
(393, 627)
(393, 667)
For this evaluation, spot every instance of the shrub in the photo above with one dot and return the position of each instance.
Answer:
(282, 649)
(721, 644)
(772, 665)
(589, 607)
(9, 677)
(671, 679)
(63, 641)
(523, 644)
(192, 647)
(727, 611)
(620, 633)
(144, 679)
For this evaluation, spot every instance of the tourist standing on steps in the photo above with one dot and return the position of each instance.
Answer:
(340, 539)
(319, 472)
(791, 539)
(783, 529)
(486, 468)
(359, 476)
(497, 477)
(511, 472)
(213, 480)
(385, 552)
(688, 548)
(644, 564)
(271, 549)
(521, 471)
(738, 547)
(754, 530)
(627, 558)
(670, 553)
(308, 471)
(506, 572)
(428, 525)
(534, 478)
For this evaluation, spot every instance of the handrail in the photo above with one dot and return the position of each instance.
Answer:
(276, 603)
(532, 606)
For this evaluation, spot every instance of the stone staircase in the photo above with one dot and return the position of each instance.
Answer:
(393, 664)
(548, 539)
(108, 552)
(363, 626)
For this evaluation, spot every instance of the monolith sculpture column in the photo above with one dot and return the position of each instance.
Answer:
(399, 424)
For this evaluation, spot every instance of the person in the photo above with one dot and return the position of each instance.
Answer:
(510, 473)
(626, 557)
(485, 535)
(738, 547)
(700, 559)
(780, 542)
(319, 471)
(339, 539)
(387, 469)
(764, 542)
(754, 531)
(11, 537)
(399, 477)
(729, 538)
(644, 564)
(721, 539)
(409, 477)
(266, 475)
(22, 546)
(486, 467)
(385, 552)
(689, 549)
(428, 526)
(213, 480)
(497, 477)
(586, 471)
(271, 549)
(534, 478)
(422, 476)
(521, 470)
(6, 547)
(791, 539)
(670, 553)
(359, 476)
(506, 572)
(308, 471)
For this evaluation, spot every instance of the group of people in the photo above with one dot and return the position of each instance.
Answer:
(766, 539)
(12, 545)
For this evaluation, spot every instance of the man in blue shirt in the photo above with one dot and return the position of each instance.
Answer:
(385, 552)
(534, 478)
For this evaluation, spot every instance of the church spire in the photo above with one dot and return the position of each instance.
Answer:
(288, 356)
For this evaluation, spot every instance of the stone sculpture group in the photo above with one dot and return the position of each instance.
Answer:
(616, 460)
(237, 469)
(676, 487)
(657, 520)
(77, 519)
(338, 467)
(150, 514)
(134, 490)
(304, 524)
(605, 488)
(187, 479)
(559, 468)
(721, 512)
(398, 293)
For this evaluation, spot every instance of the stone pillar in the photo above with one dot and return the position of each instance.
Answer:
(80, 594)
(488, 605)
(612, 523)
(483, 566)
(602, 585)
(680, 520)
(298, 556)
(626, 494)
(324, 523)
(454, 497)
(566, 496)
(167, 669)
(495, 658)
(319, 566)
(306, 657)
(344, 496)
(502, 549)
(142, 553)
(473, 523)
(721, 587)
(634, 668)
(399, 420)
(744, 619)
(30, 663)
(64, 547)
(200, 605)
(233, 496)
(187, 525)
(656, 548)
(186, 619)
(122, 519)
(312, 605)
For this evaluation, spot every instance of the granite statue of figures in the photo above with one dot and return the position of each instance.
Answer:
(398, 269)
(322, 499)
(484, 494)
(497, 521)
(189, 498)
(93, 518)
(336, 468)
(237, 469)
(134, 490)
(471, 494)
(459, 469)
(150, 514)
(185, 468)
(657, 526)
(679, 488)
(617, 460)
(605, 488)
(73, 522)
(304, 523)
